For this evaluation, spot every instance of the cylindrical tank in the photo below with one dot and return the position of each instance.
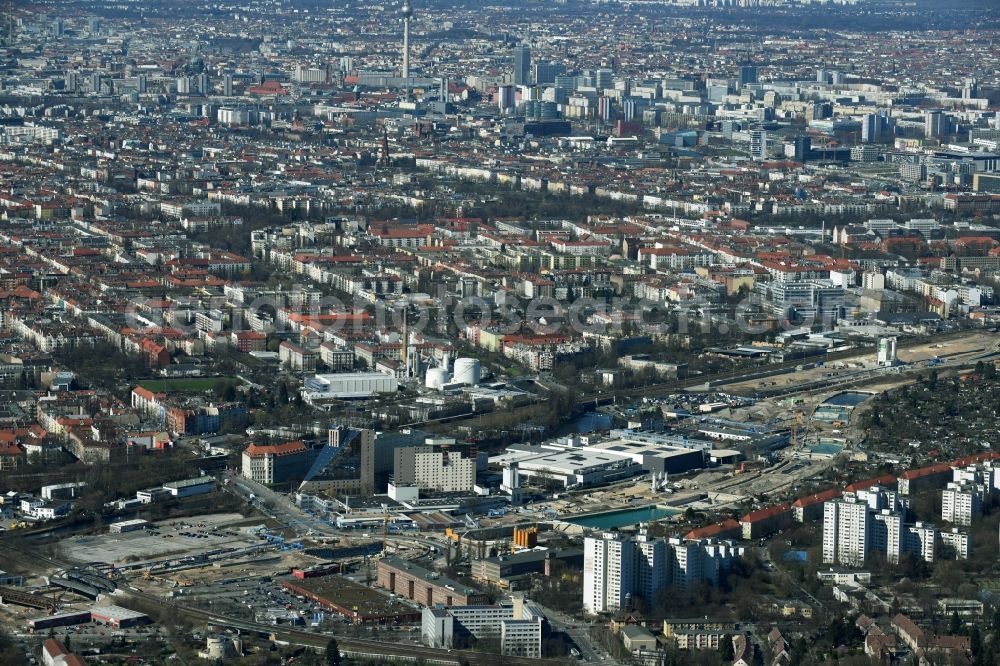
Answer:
(467, 371)
(218, 647)
(436, 378)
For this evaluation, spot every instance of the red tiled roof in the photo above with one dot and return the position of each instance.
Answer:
(284, 449)
(764, 514)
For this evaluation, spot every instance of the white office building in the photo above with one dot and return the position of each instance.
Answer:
(516, 626)
(434, 468)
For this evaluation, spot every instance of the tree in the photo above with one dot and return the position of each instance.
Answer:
(333, 653)
(726, 649)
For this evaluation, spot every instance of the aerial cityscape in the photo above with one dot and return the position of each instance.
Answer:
(624, 332)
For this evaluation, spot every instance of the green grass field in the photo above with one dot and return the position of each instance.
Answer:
(186, 385)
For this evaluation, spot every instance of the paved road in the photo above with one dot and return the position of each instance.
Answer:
(579, 632)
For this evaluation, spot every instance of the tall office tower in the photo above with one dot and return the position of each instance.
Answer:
(652, 567)
(346, 64)
(522, 65)
(546, 72)
(94, 25)
(227, 85)
(57, 28)
(935, 124)
(608, 572)
(72, 80)
(143, 83)
(845, 532)
(604, 79)
(202, 83)
(970, 90)
(822, 76)
(505, 98)
(838, 78)
(870, 128)
(183, 85)
(565, 83)
(748, 74)
(407, 12)
(758, 144)
(803, 144)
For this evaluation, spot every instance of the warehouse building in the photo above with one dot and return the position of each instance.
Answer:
(338, 386)
(423, 586)
(201, 485)
(118, 617)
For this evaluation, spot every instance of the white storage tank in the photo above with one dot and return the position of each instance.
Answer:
(467, 371)
(436, 378)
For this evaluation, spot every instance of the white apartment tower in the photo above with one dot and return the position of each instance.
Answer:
(652, 567)
(960, 503)
(608, 572)
(845, 531)
(921, 540)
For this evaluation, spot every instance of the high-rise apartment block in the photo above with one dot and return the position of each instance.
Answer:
(617, 568)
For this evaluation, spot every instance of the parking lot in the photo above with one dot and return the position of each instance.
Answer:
(170, 538)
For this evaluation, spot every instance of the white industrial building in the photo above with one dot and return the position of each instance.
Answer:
(347, 385)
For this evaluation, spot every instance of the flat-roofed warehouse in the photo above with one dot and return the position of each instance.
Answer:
(426, 587)
(358, 603)
(118, 616)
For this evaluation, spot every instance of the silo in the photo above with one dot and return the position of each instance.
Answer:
(467, 371)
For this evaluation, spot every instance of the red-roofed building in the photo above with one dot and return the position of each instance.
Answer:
(925, 478)
(766, 521)
(274, 463)
(727, 529)
(811, 507)
(887, 480)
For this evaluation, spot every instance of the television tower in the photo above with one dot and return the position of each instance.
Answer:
(407, 12)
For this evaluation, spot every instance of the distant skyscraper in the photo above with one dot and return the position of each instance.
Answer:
(748, 74)
(970, 90)
(869, 128)
(227, 85)
(822, 76)
(505, 98)
(935, 123)
(57, 27)
(546, 72)
(758, 144)
(522, 65)
(604, 79)
(94, 25)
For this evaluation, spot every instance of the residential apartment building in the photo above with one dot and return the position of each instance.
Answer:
(434, 468)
